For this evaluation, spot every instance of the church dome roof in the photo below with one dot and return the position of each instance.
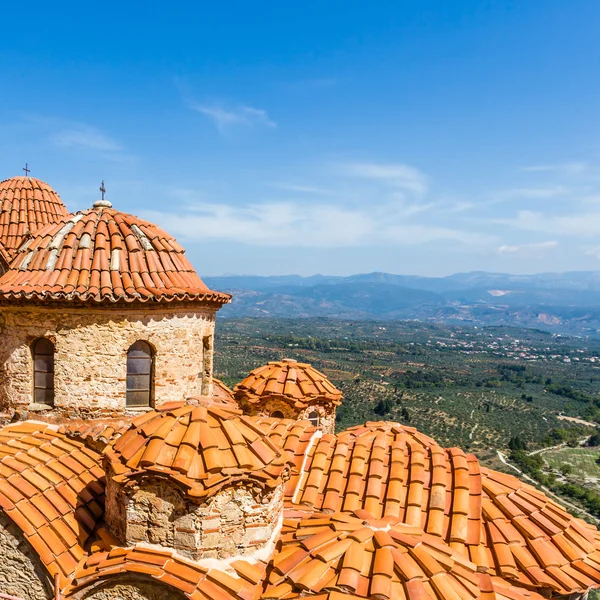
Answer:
(26, 205)
(201, 448)
(104, 255)
(289, 380)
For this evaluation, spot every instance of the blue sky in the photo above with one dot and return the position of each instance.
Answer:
(419, 137)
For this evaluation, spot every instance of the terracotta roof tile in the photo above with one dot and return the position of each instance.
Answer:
(26, 205)
(200, 447)
(288, 380)
(75, 258)
(33, 492)
(354, 554)
(196, 581)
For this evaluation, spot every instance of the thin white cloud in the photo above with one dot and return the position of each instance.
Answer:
(302, 189)
(85, 137)
(581, 225)
(569, 168)
(398, 175)
(531, 193)
(530, 250)
(240, 115)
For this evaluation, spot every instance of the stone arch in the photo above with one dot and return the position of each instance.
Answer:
(23, 574)
(130, 586)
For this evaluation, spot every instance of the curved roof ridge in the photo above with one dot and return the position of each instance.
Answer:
(26, 205)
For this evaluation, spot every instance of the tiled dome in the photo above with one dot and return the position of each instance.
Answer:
(200, 448)
(297, 383)
(26, 205)
(102, 254)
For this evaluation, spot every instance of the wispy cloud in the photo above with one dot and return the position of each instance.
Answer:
(398, 175)
(531, 193)
(240, 115)
(302, 189)
(568, 168)
(307, 224)
(534, 250)
(77, 135)
(583, 224)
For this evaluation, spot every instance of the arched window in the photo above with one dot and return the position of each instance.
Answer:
(139, 374)
(277, 414)
(43, 371)
(313, 417)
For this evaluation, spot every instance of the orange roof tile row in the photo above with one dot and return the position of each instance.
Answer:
(201, 448)
(294, 382)
(52, 488)
(371, 558)
(500, 523)
(195, 581)
(100, 255)
(26, 205)
(97, 432)
(529, 539)
(378, 511)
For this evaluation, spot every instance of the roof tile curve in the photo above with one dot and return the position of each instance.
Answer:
(372, 558)
(26, 205)
(103, 255)
(289, 380)
(201, 448)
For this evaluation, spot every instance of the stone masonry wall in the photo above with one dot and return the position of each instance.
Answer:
(90, 354)
(230, 523)
(21, 571)
(267, 407)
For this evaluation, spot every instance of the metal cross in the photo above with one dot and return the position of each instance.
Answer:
(27, 170)
(102, 189)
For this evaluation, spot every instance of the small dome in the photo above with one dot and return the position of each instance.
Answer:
(287, 380)
(200, 448)
(102, 254)
(26, 205)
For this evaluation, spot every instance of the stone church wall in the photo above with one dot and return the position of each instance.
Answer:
(266, 408)
(233, 522)
(21, 573)
(90, 354)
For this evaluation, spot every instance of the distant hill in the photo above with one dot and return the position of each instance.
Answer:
(559, 302)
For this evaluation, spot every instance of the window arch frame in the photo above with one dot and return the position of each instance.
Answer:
(314, 417)
(132, 372)
(277, 414)
(43, 394)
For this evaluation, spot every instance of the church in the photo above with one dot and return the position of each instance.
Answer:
(128, 472)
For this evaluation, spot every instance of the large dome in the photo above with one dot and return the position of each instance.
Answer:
(102, 254)
(26, 205)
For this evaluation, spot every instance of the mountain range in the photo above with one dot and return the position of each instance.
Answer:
(567, 303)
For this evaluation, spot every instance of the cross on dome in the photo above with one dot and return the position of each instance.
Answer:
(102, 203)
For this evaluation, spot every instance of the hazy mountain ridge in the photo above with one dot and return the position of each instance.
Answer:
(560, 302)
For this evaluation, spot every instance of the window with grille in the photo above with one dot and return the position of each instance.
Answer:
(313, 417)
(43, 372)
(139, 374)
